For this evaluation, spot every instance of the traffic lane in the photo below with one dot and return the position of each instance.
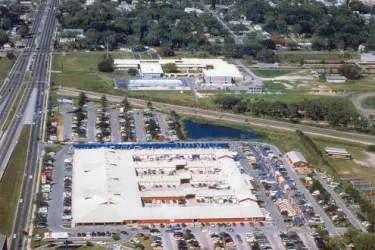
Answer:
(307, 241)
(68, 122)
(217, 115)
(353, 220)
(317, 208)
(115, 125)
(139, 128)
(91, 122)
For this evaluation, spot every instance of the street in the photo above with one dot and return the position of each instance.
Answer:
(116, 138)
(91, 130)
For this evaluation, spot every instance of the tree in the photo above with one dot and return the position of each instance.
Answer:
(170, 68)
(106, 65)
(23, 30)
(350, 71)
(132, 71)
(10, 56)
(213, 4)
(82, 99)
(126, 104)
(103, 100)
(149, 105)
(365, 242)
(266, 55)
(292, 45)
(3, 37)
(167, 52)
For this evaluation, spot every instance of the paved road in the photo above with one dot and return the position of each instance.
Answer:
(154, 55)
(162, 125)
(68, 122)
(39, 80)
(219, 115)
(91, 122)
(317, 208)
(357, 99)
(258, 80)
(136, 56)
(139, 129)
(116, 138)
(355, 222)
(55, 208)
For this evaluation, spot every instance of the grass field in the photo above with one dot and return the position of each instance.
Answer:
(83, 61)
(83, 81)
(270, 73)
(369, 102)
(10, 185)
(364, 84)
(296, 56)
(271, 86)
(5, 66)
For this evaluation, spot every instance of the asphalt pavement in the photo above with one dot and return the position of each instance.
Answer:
(257, 79)
(68, 122)
(91, 122)
(339, 202)
(139, 128)
(230, 117)
(163, 126)
(116, 137)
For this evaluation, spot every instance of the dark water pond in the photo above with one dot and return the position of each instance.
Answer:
(198, 131)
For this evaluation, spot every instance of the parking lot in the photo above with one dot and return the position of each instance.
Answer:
(262, 235)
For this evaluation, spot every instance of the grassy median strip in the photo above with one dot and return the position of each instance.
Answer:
(10, 184)
(14, 107)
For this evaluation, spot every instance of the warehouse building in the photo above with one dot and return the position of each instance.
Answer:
(297, 159)
(338, 153)
(160, 185)
(335, 78)
(215, 73)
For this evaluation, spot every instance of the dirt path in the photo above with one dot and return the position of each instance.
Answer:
(357, 101)
(290, 78)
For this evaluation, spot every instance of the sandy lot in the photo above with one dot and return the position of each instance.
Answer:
(368, 162)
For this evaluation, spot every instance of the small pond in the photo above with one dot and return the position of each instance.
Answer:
(198, 131)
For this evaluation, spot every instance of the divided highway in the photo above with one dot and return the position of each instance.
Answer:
(325, 132)
(40, 47)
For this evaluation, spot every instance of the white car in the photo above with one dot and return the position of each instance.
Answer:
(14, 236)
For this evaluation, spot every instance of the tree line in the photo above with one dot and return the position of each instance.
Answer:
(330, 27)
(336, 113)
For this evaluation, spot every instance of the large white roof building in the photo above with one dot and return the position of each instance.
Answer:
(214, 72)
(160, 186)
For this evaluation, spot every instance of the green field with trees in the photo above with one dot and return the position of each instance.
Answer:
(10, 184)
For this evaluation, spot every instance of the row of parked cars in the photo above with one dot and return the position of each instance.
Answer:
(185, 240)
(291, 240)
(257, 240)
(103, 125)
(127, 125)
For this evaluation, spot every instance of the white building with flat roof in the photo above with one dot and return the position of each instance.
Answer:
(367, 58)
(185, 185)
(213, 72)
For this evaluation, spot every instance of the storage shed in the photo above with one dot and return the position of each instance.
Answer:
(297, 159)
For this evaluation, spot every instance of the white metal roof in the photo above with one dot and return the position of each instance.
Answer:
(151, 68)
(295, 157)
(106, 187)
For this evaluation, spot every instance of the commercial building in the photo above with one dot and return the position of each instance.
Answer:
(160, 183)
(210, 72)
(297, 159)
(367, 58)
(335, 79)
(156, 84)
(151, 70)
(340, 153)
(362, 185)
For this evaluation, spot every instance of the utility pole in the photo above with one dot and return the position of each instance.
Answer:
(107, 47)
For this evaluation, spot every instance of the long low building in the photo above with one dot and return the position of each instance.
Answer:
(166, 185)
(212, 72)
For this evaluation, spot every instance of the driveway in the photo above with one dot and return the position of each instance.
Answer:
(68, 122)
(115, 125)
(357, 99)
(139, 129)
(91, 122)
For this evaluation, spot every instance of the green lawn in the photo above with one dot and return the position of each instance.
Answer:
(83, 61)
(270, 73)
(271, 86)
(5, 66)
(84, 81)
(369, 102)
(296, 56)
(10, 185)
(364, 84)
